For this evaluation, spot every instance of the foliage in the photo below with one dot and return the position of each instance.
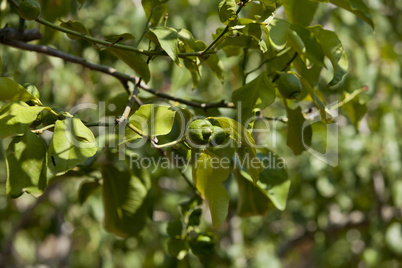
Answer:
(301, 168)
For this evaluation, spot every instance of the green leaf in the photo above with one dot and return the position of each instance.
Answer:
(278, 33)
(26, 165)
(75, 26)
(152, 120)
(72, 144)
(208, 177)
(125, 201)
(177, 248)
(167, 38)
(87, 188)
(227, 12)
(300, 11)
(154, 10)
(16, 117)
(273, 184)
(357, 7)
(119, 37)
(325, 114)
(333, 50)
(134, 60)
(251, 201)
(245, 146)
(175, 228)
(298, 135)
(12, 91)
(258, 93)
(354, 108)
(311, 51)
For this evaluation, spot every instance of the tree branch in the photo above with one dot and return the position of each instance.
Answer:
(109, 71)
(108, 44)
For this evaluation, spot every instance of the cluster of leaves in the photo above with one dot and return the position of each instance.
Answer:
(127, 192)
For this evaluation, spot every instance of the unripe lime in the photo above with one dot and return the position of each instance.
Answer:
(29, 9)
(199, 132)
(289, 85)
(31, 88)
(178, 154)
(218, 136)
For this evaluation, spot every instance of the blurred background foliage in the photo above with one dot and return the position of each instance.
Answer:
(343, 216)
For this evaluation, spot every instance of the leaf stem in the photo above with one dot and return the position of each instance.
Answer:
(41, 130)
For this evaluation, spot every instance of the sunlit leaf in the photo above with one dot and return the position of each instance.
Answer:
(26, 165)
(12, 91)
(16, 117)
(278, 33)
(208, 178)
(167, 38)
(71, 145)
(152, 120)
(227, 11)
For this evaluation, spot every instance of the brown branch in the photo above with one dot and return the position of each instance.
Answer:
(123, 77)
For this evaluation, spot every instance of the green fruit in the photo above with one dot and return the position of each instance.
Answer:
(29, 9)
(31, 88)
(199, 132)
(289, 86)
(178, 154)
(218, 136)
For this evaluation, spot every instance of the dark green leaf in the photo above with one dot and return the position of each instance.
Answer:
(333, 50)
(278, 33)
(194, 218)
(258, 93)
(175, 228)
(299, 135)
(125, 202)
(120, 37)
(300, 11)
(87, 188)
(72, 144)
(75, 26)
(310, 50)
(251, 201)
(134, 60)
(177, 248)
(26, 165)
(16, 117)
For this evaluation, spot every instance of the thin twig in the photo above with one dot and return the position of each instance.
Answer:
(108, 44)
(276, 77)
(202, 53)
(112, 72)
